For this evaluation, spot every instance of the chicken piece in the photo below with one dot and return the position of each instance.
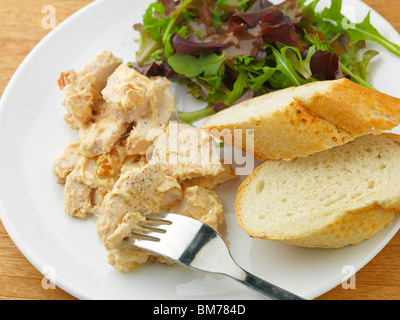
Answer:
(153, 122)
(141, 139)
(211, 182)
(101, 137)
(136, 190)
(133, 162)
(103, 132)
(131, 100)
(77, 197)
(89, 182)
(171, 194)
(82, 89)
(186, 152)
(201, 204)
(109, 164)
(132, 94)
(64, 164)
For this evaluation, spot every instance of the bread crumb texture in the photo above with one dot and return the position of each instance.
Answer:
(331, 199)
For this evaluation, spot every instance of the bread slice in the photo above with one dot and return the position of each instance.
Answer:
(300, 121)
(331, 199)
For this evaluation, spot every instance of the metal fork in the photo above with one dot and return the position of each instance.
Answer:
(196, 245)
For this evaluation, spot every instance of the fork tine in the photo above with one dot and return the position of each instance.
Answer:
(155, 218)
(149, 228)
(156, 215)
(135, 238)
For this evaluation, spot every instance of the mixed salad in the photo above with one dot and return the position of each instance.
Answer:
(227, 51)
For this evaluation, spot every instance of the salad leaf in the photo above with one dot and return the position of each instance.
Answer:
(189, 66)
(249, 18)
(360, 31)
(325, 65)
(357, 31)
(149, 47)
(169, 29)
(239, 87)
(365, 31)
(190, 117)
(363, 64)
(155, 21)
(257, 82)
(226, 51)
(288, 76)
(302, 66)
(193, 46)
(278, 27)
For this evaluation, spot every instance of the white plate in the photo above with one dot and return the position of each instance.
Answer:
(32, 134)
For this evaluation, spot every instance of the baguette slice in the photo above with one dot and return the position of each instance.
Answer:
(300, 121)
(331, 199)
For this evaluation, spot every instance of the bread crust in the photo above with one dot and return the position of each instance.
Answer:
(357, 109)
(348, 228)
(313, 123)
(293, 132)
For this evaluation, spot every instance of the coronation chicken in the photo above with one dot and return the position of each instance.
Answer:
(131, 158)
(156, 187)
(82, 89)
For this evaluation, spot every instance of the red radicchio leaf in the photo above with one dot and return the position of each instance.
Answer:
(193, 46)
(238, 29)
(251, 18)
(154, 69)
(205, 17)
(325, 65)
(275, 25)
(247, 44)
(278, 27)
(282, 33)
(274, 17)
(259, 5)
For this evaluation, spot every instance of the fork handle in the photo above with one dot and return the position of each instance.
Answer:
(267, 289)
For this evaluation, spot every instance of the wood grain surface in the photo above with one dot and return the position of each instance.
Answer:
(20, 30)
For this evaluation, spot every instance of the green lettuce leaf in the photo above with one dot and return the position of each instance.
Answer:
(207, 64)
(341, 24)
(238, 87)
(366, 31)
(287, 75)
(154, 20)
(149, 49)
(190, 117)
(258, 81)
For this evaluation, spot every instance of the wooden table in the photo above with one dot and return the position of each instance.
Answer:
(20, 30)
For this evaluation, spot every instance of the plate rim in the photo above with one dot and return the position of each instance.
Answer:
(15, 237)
(35, 260)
